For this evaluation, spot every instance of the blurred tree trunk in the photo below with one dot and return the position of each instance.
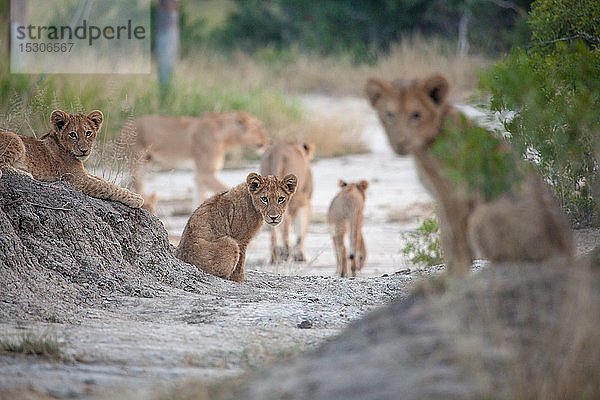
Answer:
(167, 39)
(463, 29)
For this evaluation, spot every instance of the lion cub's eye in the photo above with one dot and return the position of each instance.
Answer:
(415, 116)
(88, 133)
(73, 134)
(264, 200)
(281, 199)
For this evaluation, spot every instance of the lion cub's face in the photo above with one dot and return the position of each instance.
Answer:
(271, 195)
(411, 113)
(249, 129)
(77, 132)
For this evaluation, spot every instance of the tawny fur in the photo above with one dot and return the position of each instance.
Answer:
(58, 155)
(524, 224)
(345, 218)
(218, 232)
(283, 158)
(203, 140)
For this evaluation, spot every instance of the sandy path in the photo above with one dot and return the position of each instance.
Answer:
(396, 200)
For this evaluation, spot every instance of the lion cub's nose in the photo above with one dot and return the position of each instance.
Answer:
(274, 217)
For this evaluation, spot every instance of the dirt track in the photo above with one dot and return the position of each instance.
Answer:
(133, 320)
(129, 315)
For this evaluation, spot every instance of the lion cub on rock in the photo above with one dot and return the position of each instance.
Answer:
(59, 154)
(511, 216)
(345, 217)
(218, 232)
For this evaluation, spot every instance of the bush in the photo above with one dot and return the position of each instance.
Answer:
(423, 244)
(554, 89)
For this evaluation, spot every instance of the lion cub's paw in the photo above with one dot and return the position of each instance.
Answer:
(134, 200)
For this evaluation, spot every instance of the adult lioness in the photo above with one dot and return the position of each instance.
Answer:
(345, 217)
(283, 158)
(59, 154)
(218, 232)
(523, 222)
(204, 140)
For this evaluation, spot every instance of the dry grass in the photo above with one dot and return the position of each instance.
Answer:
(44, 345)
(332, 136)
(414, 57)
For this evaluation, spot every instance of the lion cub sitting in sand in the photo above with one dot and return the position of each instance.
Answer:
(520, 222)
(204, 140)
(345, 217)
(218, 232)
(59, 154)
(288, 157)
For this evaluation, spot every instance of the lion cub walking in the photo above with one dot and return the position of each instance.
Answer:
(218, 232)
(204, 140)
(345, 217)
(283, 158)
(60, 153)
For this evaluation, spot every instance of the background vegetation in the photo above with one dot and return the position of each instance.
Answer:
(211, 75)
(260, 55)
(552, 87)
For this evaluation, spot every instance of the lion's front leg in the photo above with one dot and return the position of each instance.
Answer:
(102, 189)
(238, 273)
(453, 239)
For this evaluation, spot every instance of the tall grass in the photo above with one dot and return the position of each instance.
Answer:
(44, 345)
(266, 84)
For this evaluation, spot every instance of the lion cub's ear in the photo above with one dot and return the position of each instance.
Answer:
(363, 185)
(376, 89)
(290, 182)
(254, 182)
(436, 87)
(96, 117)
(342, 184)
(59, 120)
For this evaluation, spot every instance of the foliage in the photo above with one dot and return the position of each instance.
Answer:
(366, 28)
(554, 88)
(473, 156)
(556, 19)
(423, 244)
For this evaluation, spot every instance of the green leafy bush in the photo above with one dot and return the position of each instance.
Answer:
(423, 244)
(554, 89)
(475, 157)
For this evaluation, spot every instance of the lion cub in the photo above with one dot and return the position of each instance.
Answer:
(287, 157)
(203, 140)
(59, 154)
(218, 232)
(521, 223)
(345, 217)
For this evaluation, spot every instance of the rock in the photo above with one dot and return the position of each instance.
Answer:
(61, 250)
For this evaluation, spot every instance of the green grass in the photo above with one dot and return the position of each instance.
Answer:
(25, 108)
